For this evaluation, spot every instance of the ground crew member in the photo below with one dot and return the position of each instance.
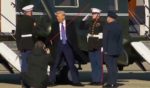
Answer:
(38, 63)
(24, 36)
(112, 44)
(94, 41)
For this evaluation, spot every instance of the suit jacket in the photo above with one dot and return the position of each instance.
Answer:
(112, 39)
(25, 25)
(54, 38)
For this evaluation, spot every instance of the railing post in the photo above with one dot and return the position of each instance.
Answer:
(147, 15)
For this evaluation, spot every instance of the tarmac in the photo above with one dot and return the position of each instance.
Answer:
(131, 77)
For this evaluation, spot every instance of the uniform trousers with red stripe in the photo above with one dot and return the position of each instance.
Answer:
(96, 66)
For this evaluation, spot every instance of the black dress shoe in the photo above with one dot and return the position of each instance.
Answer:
(77, 84)
(110, 86)
(51, 84)
(24, 84)
(96, 83)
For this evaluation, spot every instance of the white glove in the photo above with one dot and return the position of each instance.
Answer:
(47, 51)
(49, 28)
(100, 35)
(88, 35)
(34, 24)
(102, 49)
(86, 17)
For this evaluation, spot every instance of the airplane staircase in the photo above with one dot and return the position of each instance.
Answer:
(10, 55)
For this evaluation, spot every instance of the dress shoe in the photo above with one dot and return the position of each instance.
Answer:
(77, 84)
(109, 86)
(24, 85)
(96, 83)
(51, 84)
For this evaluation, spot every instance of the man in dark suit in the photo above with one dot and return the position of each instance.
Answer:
(64, 42)
(112, 44)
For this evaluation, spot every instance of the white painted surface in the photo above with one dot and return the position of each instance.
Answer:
(139, 3)
(76, 14)
(142, 50)
(10, 56)
(141, 29)
(8, 11)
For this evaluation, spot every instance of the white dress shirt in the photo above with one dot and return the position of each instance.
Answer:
(60, 24)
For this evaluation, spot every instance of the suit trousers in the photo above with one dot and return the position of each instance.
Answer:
(68, 53)
(111, 64)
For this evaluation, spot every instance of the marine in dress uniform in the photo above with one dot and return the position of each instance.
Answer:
(112, 43)
(65, 43)
(24, 36)
(94, 41)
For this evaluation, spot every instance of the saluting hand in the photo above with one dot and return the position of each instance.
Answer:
(86, 17)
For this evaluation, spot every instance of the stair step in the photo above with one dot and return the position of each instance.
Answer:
(12, 45)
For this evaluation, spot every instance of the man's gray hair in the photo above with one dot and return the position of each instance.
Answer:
(60, 12)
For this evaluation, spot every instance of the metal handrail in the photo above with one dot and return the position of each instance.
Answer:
(137, 19)
(134, 17)
(147, 35)
(147, 7)
(46, 9)
(10, 23)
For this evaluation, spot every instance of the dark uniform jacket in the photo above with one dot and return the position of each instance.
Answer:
(25, 25)
(54, 38)
(38, 62)
(112, 39)
(94, 28)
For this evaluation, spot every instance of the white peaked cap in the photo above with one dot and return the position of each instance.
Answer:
(96, 10)
(28, 8)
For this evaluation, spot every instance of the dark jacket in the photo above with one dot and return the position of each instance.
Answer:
(93, 28)
(25, 25)
(112, 39)
(54, 38)
(38, 62)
